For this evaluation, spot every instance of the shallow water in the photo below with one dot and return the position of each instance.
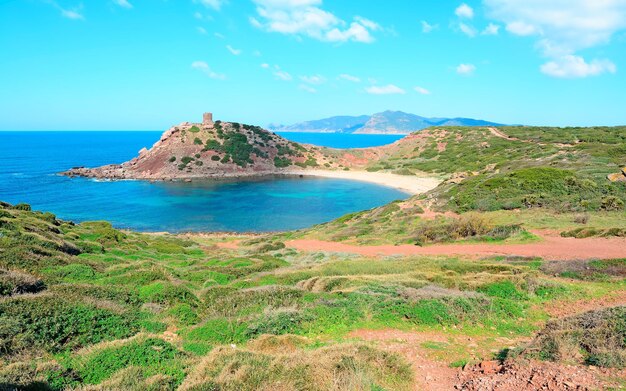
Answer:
(30, 161)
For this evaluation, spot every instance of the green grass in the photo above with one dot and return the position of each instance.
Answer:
(153, 355)
(132, 306)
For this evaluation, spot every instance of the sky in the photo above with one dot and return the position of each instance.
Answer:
(149, 64)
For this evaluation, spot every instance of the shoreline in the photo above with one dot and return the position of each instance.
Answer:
(407, 183)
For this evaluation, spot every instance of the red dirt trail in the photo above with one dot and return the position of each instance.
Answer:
(550, 248)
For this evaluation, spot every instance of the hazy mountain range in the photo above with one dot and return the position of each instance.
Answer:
(387, 122)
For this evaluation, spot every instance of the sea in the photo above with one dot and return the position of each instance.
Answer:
(30, 163)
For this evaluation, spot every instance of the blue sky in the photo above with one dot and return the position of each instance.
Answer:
(148, 64)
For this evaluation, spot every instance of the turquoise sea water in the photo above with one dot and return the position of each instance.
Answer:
(30, 161)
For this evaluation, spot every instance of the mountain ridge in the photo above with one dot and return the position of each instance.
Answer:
(386, 122)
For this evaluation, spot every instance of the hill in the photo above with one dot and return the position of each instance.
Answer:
(514, 173)
(388, 122)
(90, 306)
(209, 149)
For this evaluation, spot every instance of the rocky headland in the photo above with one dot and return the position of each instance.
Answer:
(213, 150)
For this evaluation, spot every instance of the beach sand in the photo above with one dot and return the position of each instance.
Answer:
(407, 183)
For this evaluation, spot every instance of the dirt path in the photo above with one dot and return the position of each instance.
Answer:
(435, 374)
(550, 248)
(429, 374)
(496, 132)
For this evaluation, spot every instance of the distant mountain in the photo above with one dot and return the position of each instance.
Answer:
(387, 122)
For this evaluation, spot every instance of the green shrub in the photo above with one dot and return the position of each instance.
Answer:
(22, 206)
(220, 331)
(154, 355)
(504, 289)
(536, 187)
(197, 141)
(55, 325)
(278, 322)
(102, 232)
(194, 129)
(172, 159)
(185, 314)
(280, 162)
(213, 145)
(74, 272)
(186, 160)
(166, 293)
(215, 158)
(610, 203)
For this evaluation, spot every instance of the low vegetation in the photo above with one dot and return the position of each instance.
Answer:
(87, 304)
(594, 338)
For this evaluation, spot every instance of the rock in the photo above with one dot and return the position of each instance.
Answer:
(617, 177)
(492, 366)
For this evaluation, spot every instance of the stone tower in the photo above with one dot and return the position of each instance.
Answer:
(207, 120)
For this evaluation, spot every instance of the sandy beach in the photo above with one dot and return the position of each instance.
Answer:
(408, 183)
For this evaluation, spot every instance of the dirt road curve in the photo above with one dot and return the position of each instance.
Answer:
(550, 248)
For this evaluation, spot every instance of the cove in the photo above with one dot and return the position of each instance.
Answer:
(30, 161)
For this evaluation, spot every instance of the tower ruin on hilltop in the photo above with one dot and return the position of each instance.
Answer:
(207, 119)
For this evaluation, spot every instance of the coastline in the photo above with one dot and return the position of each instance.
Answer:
(407, 183)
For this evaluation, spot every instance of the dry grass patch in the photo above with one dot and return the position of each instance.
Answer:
(339, 367)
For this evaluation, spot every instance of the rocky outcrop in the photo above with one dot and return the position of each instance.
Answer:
(618, 177)
(210, 150)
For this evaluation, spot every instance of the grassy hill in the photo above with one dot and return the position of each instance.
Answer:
(90, 305)
(557, 173)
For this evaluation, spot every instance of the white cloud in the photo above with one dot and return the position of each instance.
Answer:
(306, 88)
(345, 76)
(72, 14)
(306, 18)
(491, 29)
(464, 11)
(367, 23)
(197, 15)
(313, 79)
(69, 13)
(206, 69)
(201, 30)
(123, 3)
(356, 32)
(214, 4)
(278, 73)
(574, 66)
(562, 28)
(233, 51)
(282, 75)
(219, 36)
(389, 89)
(467, 30)
(465, 69)
(422, 90)
(521, 28)
(427, 27)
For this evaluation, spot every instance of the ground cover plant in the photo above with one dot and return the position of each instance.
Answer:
(87, 304)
